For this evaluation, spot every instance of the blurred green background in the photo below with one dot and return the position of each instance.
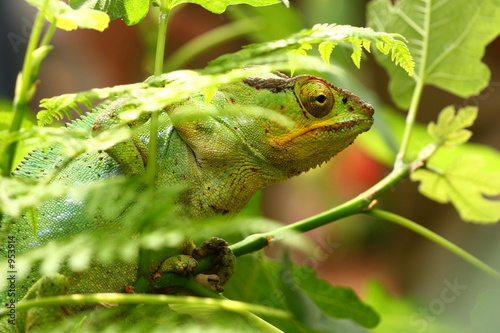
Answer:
(350, 252)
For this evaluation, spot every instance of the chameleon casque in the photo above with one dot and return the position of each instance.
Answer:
(221, 158)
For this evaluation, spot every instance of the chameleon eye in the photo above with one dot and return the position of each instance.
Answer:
(317, 98)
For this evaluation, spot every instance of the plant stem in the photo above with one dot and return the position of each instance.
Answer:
(120, 298)
(417, 92)
(161, 41)
(158, 69)
(401, 157)
(360, 203)
(394, 218)
(23, 84)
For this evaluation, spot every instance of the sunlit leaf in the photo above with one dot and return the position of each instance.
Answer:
(131, 11)
(219, 6)
(446, 38)
(325, 33)
(67, 18)
(325, 50)
(466, 184)
(450, 128)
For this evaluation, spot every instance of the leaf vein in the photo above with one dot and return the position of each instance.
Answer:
(457, 42)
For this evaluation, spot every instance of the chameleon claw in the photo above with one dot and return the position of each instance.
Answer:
(225, 260)
(180, 264)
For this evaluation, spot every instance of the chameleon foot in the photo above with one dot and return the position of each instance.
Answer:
(180, 264)
(224, 261)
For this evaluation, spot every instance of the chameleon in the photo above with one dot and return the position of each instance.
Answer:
(252, 133)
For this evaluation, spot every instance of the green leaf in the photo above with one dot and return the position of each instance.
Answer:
(131, 11)
(259, 280)
(383, 140)
(67, 18)
(447, 39)
(462, 176)
(219, 6)
(325, 50)
(151, 95)
(307, 312)
(449, 129)
(335, 301)
(319, 34)
(465, 183)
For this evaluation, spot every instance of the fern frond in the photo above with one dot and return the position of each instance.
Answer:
(325, 50)
(400, 54)
(58, 106)
(285, 54)
(327, 36)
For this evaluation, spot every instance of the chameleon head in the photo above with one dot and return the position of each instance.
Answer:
(324, 120)
(273, 124)
(262, 130)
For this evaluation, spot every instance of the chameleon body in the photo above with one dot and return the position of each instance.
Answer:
(252, 133)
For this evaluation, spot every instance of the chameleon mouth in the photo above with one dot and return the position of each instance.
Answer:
(341, 127)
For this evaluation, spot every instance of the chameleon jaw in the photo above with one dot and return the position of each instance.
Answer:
(340, 127)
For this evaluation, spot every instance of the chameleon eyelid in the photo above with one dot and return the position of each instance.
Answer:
(316, 98)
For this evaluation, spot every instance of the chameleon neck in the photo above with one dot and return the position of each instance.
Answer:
(219, 186)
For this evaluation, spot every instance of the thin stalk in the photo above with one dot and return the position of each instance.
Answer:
(415, 227)
(144, 255)
(401, 157)
(48, 35)
(351, 207)
(120, 298)
(360, 203)
(417, 92)
(161, 41)
(23, 85)
(158, 69)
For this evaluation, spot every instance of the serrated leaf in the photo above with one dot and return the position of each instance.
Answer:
(447, 39)
(258, 280)
(336, 301)
(366, 45)
(466, 184)
(306, 311)
(450, 128)
(219, 6)
(67, 18)
(323, 33)
(325, 49)
(357, 51)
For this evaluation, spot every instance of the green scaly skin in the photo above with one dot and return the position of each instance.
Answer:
(251, 134)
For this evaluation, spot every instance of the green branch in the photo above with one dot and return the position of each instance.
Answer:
(25, 87)
(417, 92)
(120, 298)
(362, 202)
(158, 69)
(404, 222)
(401, 157)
